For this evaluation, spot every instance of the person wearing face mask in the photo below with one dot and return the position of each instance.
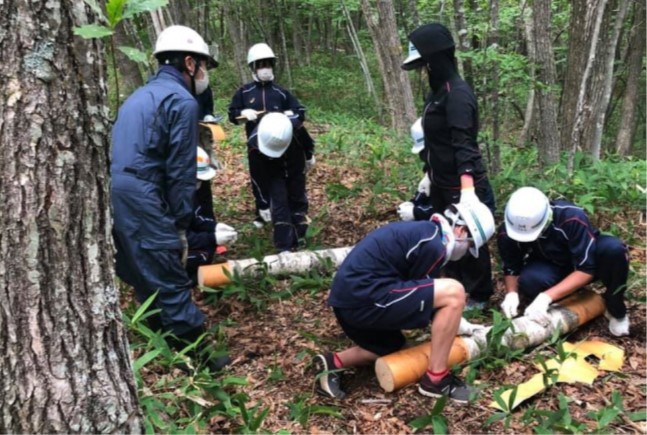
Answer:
(204, 233)
(251, 102)
(456, 170)
(154, 142)
(390, 281)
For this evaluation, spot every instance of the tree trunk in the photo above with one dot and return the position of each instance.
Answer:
(599, 93)
(581, 109)
(236, 30)
(65, 364)
(465, 67)
(632, 95)
(284, 46)
(548, 137)
(495, 158)
(526, 21)
(397, 89)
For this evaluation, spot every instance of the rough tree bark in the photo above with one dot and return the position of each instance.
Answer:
(380, 19)
(65, 365)
(526, 21)
(631, 96)
(460, 22)
(548, 137)
(130, 74)
(493, 43)
(236, 31)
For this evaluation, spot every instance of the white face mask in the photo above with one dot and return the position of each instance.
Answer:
(265, 74)
(202, 84)
(461, 247)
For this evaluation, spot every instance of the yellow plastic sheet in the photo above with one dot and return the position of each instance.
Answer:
(611, 357)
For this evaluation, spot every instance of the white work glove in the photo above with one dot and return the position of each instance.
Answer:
(250, 114)
(265, 214)
(225, 235)
(538, 309)
(467, 328)
(310, 163)
(510, 305)
(405, 210)
(468, 196)
(185, 246)
(425, 185)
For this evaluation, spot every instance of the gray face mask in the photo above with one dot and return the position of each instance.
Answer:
(202, 84)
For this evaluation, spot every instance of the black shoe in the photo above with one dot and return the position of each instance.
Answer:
(329, 380)
(450, 386)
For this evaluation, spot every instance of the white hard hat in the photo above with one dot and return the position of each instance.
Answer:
(418, 136)
(183, 39)
(258, 52)
(527, 213)
(478, 219)
(205, 170)
(274, 134)
(413, 60)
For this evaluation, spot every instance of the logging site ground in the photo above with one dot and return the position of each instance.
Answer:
(272, 326)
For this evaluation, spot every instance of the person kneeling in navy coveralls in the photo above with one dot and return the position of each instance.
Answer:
(389, 282)
(550, 250)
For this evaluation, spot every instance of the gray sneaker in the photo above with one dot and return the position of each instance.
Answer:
(327, 376)
(449, 386)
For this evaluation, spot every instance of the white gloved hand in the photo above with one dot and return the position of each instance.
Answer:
(310, 163)
(265, 214)
(510, 305)
(225, 235)
(185, 246)
(425, 185)
(405, 210)
(250, 114)
(468, 196)
(467, 328)
(538, 309)
(288, 113)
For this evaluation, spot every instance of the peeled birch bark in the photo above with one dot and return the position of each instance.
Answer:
(217, 275)
(406, 366)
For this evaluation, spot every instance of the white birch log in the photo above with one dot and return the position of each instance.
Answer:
(282, 264)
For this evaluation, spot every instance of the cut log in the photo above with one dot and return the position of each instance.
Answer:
(406, 366)
(288, 263)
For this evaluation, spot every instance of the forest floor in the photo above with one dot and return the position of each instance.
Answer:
(272, 347)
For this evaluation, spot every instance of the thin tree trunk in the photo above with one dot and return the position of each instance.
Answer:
(65, 365)
(465, 67)
(370, 87)
(157, 22)
(284, 46)
(578, 117)
(548, 140)
(382, 26)
(632, 95)
(131, 76)
(599, 94)
(495, 158)
(524, 135)
(236, 30)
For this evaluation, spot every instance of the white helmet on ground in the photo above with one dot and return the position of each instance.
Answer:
(418, 136)
(205, 170)
(274, 134)
(527, 213)
(182, 39)
(478, 219)
(258, 52)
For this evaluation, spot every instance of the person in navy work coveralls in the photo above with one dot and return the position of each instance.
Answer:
(419, 208)
(154, 142)
(450, 123)
(390, 281)
(549, 250)
(261, 96)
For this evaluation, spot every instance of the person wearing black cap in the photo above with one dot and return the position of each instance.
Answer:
(450, 123)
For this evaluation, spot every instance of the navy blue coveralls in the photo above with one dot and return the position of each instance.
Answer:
(450, 123)
(266, 97)
(154, 142)
(201, 234)
(570, 243)
(386, 283)
(281, 186)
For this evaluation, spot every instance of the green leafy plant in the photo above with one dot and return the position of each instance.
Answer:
(301, 411)
(435, 418)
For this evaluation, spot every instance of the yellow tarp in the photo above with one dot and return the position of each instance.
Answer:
(611, 357)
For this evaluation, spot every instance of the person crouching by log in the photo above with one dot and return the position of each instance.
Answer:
(277, 164)
(204, 234)
(389, 282)
(549, 250)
